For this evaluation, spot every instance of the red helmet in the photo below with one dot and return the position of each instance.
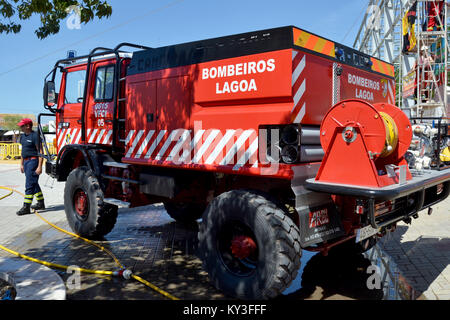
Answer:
(25, 122)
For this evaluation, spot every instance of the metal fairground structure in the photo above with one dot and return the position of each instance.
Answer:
(412, 35)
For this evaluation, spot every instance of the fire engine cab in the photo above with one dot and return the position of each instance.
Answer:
(279, 140)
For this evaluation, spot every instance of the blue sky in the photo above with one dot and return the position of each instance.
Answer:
(26, 60)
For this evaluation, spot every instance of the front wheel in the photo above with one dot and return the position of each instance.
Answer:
(248, 245)
(87, 214)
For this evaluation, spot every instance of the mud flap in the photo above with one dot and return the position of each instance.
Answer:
(319, 223)
(319, 220)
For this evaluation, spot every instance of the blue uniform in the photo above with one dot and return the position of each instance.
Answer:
(30, 146)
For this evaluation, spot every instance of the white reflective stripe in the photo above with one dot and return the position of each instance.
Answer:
(135, 142)
(61, 134)
(298, 70)
(198, 155)
(107, 138)
(391, 94)
(155, 143)
(219, 148)
(166, 145)
(298, 95)
(144, 144)
(247, 155)
(63, 140)
(130, 134)
(294, 54)
(72, 135)
(88, 134)
(100, 136)
(77, 141)
(176, 149)
(92, 137)
(240, 141)
(187, 153)
(300, 114)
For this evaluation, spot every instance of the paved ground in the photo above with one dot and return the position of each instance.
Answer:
(422, 252)
(161, 251)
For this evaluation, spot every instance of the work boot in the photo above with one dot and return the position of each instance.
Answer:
(40, 205)
(24, 210)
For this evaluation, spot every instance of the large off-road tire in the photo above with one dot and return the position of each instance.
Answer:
(265, 239)
(87, 214)
(184, 212)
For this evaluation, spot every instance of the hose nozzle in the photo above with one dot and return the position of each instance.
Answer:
(125, 273)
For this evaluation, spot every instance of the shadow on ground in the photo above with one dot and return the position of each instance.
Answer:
(412, 258)
(163, 252)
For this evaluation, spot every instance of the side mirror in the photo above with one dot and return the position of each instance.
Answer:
(50, 95)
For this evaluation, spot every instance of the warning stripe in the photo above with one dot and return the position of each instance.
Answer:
(298, 86)
(382, 67)
(312, 42)
(73, 136)
(211, 147)
(391, 96)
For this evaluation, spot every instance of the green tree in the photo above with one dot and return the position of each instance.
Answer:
(11, 121)
(51, 13)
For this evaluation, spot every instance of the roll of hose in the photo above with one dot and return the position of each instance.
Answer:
(391, 135)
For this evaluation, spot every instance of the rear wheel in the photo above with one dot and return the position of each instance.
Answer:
(249, 247)
(87, 214)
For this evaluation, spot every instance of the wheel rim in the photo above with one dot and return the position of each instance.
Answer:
(238, 249)
(81, 204)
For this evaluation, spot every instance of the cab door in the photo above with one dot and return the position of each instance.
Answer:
(100, 104)
(68, 127)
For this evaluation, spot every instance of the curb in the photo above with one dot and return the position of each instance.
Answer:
(32, 281)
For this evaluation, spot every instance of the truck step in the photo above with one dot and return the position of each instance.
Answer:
(116, 164)
(117, 202)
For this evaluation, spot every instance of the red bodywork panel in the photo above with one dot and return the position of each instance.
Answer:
(212, 111)
(207, 115)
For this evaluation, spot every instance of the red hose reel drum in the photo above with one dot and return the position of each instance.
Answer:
(364, 144)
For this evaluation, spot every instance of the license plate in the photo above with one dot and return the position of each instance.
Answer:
(365, 233)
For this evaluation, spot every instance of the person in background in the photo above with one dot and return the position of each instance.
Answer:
(31, 165)
(435, 15)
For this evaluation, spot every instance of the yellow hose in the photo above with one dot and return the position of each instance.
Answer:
(10, 193)
(54, 265)
(391, 135)
(90, 271)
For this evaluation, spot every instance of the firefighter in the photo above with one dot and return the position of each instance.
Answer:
(31, 165)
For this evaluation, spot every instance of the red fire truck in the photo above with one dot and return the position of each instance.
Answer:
(279, 140)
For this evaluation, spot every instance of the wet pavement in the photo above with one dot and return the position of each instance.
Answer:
(155, 247)
(162, 251)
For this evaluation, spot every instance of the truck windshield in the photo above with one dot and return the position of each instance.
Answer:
(74, 86)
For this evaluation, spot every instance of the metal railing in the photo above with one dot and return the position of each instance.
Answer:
(12, 151)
